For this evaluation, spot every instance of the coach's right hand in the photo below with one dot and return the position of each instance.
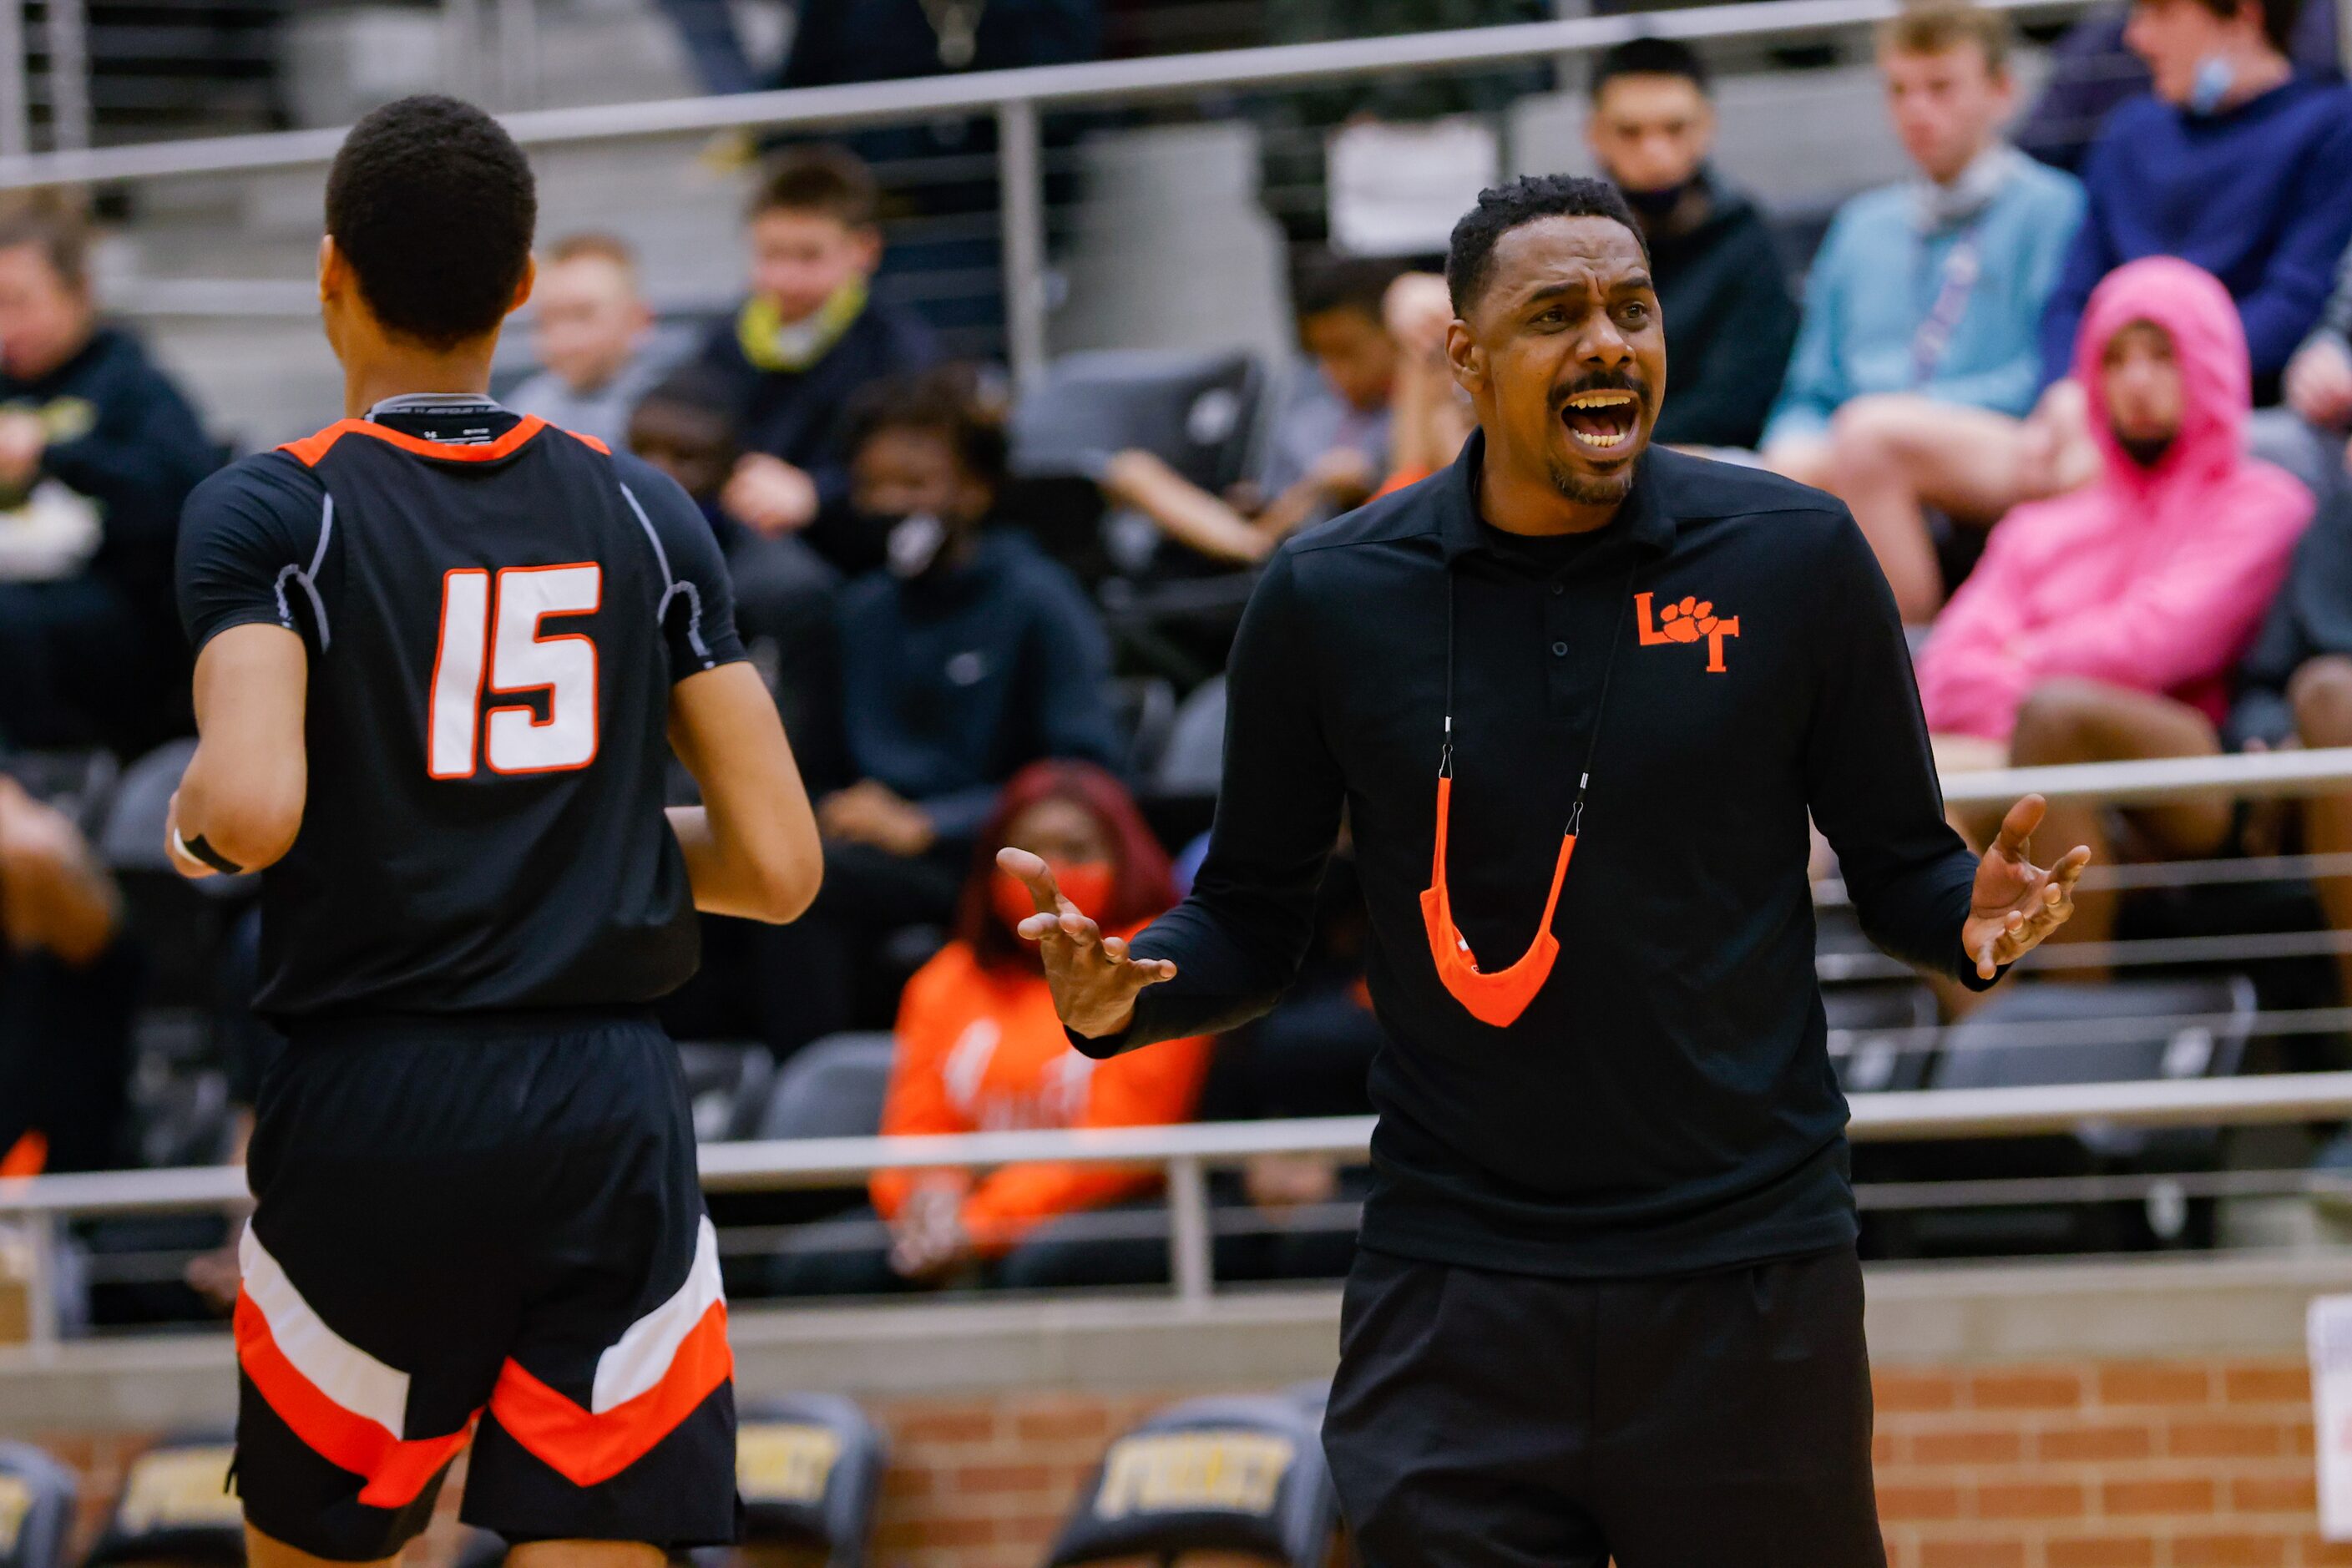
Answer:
(1093, 980)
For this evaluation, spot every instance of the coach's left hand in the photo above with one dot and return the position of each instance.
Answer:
(2016, 904)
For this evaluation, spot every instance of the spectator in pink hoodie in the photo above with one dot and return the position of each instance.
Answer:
(2102, 624)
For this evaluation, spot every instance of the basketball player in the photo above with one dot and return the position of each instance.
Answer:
(1606, 1305)
(440, 648)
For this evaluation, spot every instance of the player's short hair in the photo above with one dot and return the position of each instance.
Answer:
(829, 181)
(596, 247)
(433, 205)
(1931, 27)
(1651, 57)
(955, 403)
(55, 225)
(1470, 257)
(1326, 282)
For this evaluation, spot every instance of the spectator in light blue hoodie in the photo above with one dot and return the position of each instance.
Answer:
(1926, 302)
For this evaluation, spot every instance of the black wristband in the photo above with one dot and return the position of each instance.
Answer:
(210, 856)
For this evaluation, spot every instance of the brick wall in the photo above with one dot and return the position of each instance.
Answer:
(2173, 1464)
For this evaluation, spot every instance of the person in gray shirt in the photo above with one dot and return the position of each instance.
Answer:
(593, 337)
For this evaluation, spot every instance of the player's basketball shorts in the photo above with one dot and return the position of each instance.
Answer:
(485, 1228)
(1721, 1420)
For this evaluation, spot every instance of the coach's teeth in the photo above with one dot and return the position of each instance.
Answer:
(1600, 399)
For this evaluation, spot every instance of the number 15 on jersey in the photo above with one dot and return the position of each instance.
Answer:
(492, 641)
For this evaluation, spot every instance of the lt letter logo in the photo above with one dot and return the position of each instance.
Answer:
(1692, 620)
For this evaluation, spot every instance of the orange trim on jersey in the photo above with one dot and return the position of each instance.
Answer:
(586, 440)
(396, 1472)
(310, 448)
(585, 1447)
(27, 1156)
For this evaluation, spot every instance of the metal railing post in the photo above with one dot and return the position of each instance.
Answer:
(68, 41)
(41, 1281)
(1021, 177)
(1189, 1260)
(517, 53)
(16, 102)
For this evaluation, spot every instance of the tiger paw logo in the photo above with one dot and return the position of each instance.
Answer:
(1690, 619)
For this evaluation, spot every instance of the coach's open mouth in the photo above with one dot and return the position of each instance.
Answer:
(1603, 421)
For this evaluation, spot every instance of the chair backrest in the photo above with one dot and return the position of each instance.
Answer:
(831, 1087)
(1196, 411)
(1145, 706)
(176, 1507)
(37, 1508)
(809, 1469)
(132, 838)
(1872, 1042)
(2054, 1033)
(1193, 761)
(1225, 1474)
(727, 1085)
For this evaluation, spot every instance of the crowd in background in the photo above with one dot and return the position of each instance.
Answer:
(2088, 395)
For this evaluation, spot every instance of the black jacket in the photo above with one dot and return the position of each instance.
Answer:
(139, 452)
(1730, 322)
(1666, 1103)
(2312, 617)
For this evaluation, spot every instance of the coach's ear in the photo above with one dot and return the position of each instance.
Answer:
(530, 280)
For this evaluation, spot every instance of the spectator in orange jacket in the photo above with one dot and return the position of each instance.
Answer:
(979, 1049)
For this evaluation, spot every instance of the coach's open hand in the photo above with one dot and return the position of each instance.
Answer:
(1094, 981)
(2015, 904)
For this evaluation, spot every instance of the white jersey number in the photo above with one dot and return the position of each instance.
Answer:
(490, 641)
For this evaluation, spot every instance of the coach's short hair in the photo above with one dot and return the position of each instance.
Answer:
(1469, 259)
(433, 205)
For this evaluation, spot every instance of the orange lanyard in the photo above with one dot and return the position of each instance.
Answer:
(1498, 998)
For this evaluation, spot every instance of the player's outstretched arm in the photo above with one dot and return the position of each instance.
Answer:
(240, 802)
(751, 847)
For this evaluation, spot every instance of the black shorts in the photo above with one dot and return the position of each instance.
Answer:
(1487, 1420)
(485, 1227)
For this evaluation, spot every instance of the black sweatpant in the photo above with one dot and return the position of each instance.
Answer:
(1484, 1420)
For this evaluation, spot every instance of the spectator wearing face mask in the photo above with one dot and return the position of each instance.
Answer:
(980, 1050)
(1730, 318)
(2103, 625)
(593, 335)
(808, 339)
(970, 655)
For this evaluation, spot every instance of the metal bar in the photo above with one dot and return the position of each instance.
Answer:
(1190, 1264)
(41, 1281)
(2060, 1108)
(68, 32)
(2258, 774)
(1021, 198)
(979, 92)
(2010, 1192)
(16, 100)
(517, 53)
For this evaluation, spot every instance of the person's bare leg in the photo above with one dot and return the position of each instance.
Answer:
(1894, 455)
(1804, 458)
(2075, 721)
(586, 1554)
(264, 1552)
(2322, 693)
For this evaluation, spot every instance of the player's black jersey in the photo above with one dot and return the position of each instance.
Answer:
(495, 611)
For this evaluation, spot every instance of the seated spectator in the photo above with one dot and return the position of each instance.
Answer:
(1329, 444)
(1922, 307)
(593, 335)
(807, 340)
(69, 983)
(2235, 164)
(2102, 625)
(2090, 73)
(98, 451)
(1432, 416)
(2318, 387)
(784, 592)
(2294, 690)
(969, 658)
(980, 1048)
(1730, 321)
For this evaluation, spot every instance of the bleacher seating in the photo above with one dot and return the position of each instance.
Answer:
(175, 1506)
(831, 1087)
(1238, 1473)
(1876, 1036)
(809, 1469)
(37, 1508)
(727, 1084)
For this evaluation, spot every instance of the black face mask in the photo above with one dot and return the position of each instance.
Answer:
(1653, 207)
(2147, 451)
